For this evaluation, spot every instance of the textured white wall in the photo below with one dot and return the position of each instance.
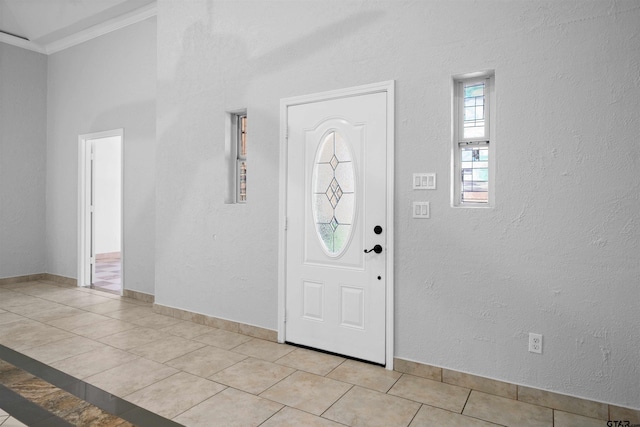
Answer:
(103, 84)
(558, 254)
(23, 113)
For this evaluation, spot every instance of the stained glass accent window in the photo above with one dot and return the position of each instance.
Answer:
(473, 124)
(241, 163)
(333, 193)
(475, 174)
(472, 130)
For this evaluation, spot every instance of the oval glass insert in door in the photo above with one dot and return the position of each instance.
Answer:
(333, 192)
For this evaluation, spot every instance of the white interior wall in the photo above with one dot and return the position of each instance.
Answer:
(108, 194)
(558, 253)
(103, 84)
(23, 96)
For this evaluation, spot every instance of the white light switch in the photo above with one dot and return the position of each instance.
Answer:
(424, 181)
(421, 210)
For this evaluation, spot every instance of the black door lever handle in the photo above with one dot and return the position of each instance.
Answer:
(377, 249)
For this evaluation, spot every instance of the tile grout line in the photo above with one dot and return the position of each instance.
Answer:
(466, 401)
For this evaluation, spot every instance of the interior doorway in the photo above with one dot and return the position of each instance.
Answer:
(100, 211)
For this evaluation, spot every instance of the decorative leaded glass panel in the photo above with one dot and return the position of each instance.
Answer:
(333, 193)
(474, 110)
(475, 174)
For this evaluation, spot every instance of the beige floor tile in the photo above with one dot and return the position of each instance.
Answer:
(57, 312)
(63, 349)
(155, 321)
(221, 338)
(362, 407)
(252, 375)
(36, 307)
(166, 349)
(109, 306)
(307, 392)
(14, 299)
(487, 385)
(206, 361)
(291, 417)
(311, 361)
(131, 376)
(74, 299)
(365, 375)
(565, 419)
(8, 317)
(94, 362)
(564, 403)
(131, 313)
(265, 350)
(133, 338)
(508, 412)
(186, 329)
(23, 334)
(627, 414)
(417, 369)
(175, 394)
(12, 422)
(229, 408)
(431, 392)
(429, 416)
(86, 300)
(103, 329)
(77, 321)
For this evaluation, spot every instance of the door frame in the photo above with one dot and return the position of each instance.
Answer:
(389, 88)
(84, 204)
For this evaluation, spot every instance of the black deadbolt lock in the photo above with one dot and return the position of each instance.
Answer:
(377, 229)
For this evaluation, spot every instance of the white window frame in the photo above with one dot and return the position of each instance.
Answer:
(458, 140)
(234, 157)
(240, 159)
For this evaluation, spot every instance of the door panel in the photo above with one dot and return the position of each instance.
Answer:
(336, 195)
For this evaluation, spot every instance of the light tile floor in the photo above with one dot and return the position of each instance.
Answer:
(203, 376)
(8, 421)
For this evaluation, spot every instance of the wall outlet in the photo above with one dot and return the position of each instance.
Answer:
(535, 343)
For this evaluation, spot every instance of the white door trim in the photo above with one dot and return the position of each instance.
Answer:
(389, 88)
(84, 231)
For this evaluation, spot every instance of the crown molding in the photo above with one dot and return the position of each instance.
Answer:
(24, 44)
(106, 27)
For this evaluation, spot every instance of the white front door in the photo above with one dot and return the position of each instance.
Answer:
(337, 225)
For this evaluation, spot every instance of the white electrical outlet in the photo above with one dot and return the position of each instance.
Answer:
(535, 343)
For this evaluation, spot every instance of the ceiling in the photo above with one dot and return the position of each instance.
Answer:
(51, 25)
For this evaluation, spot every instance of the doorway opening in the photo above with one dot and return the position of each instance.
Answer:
(100, 248)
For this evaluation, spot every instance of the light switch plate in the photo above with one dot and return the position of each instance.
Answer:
(424, 181)
(421, 210)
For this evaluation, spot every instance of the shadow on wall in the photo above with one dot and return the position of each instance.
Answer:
(208, 70)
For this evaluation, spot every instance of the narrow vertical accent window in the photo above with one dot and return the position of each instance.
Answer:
(241, 161)
(472, 137)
